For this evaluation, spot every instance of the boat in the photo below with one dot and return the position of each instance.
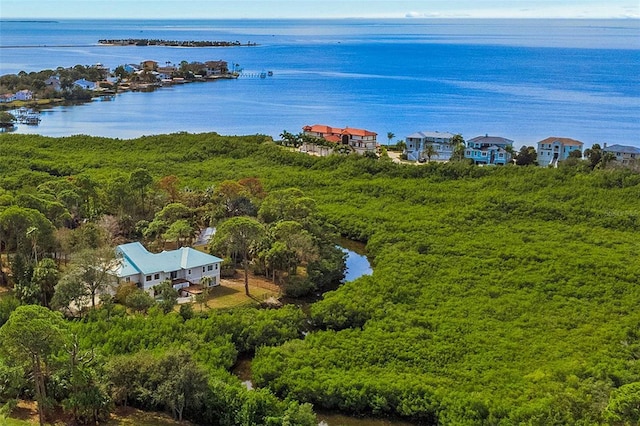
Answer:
(270, 73)
(263, 74)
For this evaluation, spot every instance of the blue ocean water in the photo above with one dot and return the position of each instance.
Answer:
(521, 79)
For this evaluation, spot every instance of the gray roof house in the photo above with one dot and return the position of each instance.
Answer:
(489, 150)
(183, 267)
(626, 155)
(440, 142)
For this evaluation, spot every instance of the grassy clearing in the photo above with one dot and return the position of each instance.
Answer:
(230, 294)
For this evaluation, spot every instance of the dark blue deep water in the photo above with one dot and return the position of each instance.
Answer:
(521, 79)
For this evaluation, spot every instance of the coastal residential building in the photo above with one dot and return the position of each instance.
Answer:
(53, 82)
(183, 267)
(418, 142)
(149, 65)
(625, 155)
(554, 149)
(166, 72)
(7, 97)
(359, 140)
(489, 150)
(131, 68)
(24, 95)
(214, 68)
(85, 84)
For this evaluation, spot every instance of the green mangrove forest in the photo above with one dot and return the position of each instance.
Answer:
(500, 295)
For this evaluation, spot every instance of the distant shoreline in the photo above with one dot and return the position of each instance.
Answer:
(171, 43)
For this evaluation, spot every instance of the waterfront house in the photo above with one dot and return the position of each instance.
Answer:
(85, 84)
(489, 150)
(183, 267)
(7, 97)
(358, 140)
(166, 72)
(24, 95)
(213, 68)
(554, 149)
(149, 65)
(418, 142)
(625, 155)
(131, 68)
(53, 82)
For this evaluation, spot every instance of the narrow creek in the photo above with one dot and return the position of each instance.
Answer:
(357, 265)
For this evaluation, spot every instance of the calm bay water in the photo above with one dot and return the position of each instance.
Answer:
(525, 80)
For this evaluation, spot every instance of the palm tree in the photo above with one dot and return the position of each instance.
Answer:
(429, 151)
(390, 135)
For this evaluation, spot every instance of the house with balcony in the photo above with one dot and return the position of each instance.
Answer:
(417, 144)
(553, 149)
(7, 97)
(625, 155)
(489, 150)
(216, 68)
(183, 267)
(359, 141)
(24, 95)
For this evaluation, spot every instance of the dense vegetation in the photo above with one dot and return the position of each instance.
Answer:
(500, 295)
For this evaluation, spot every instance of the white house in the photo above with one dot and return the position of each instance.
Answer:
(183, 267)
(626, 155)
(441, 143)
(85, 84)
(24, 95)
(553, 149)
(7, 97)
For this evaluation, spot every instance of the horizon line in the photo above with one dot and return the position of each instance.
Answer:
(408, 18)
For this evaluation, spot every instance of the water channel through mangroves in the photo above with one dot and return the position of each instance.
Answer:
(357, 265)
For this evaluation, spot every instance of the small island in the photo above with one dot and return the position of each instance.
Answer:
(172, 43)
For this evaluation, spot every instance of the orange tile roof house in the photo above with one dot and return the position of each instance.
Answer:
(554, 149)
(359, 140)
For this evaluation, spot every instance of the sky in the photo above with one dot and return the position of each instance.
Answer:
(276, 9)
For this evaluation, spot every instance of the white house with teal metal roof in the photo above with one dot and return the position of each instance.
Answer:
(183, 267)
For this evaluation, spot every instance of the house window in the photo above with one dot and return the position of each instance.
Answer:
(189, 271)
(156, 277)
(216, 266)
(484, 154)
(147, 278)
(203, 269)
(468, 153)
(209, 267)
(128, 279)
(500, 155)
(174, 275)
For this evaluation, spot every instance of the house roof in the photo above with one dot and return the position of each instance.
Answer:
(421, 135)
(624, 149)
(84, 82)
(136, 259)
(357, 132)
(325, 130)
(493, 140)
(320, 128)
(563, 141)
